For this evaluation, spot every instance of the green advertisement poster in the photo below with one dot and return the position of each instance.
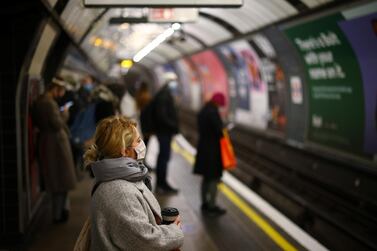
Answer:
(336, 102)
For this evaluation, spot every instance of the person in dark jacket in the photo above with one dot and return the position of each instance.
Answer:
(166, 126)
(208, 159)
(143, 99)
(55, 153)
(85, 91)
(105, 102)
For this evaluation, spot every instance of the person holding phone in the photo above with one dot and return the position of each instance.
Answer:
(55, 154)
(66, 106)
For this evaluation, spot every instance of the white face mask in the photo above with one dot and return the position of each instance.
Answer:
(173, 85)
(140, 150)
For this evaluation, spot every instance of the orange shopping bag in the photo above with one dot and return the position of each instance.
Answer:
(227, 154)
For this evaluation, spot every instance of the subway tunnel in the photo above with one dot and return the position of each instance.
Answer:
(299, 82)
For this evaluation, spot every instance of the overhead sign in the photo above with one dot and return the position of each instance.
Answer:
(161, 15)
(173, 15)
(163, 3)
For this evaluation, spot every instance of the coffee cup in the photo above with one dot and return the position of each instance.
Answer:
(169, 214)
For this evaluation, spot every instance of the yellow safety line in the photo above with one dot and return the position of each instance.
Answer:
(243, 206)
(252, 215)
(188, 156)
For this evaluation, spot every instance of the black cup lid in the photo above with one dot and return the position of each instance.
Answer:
(169, 211)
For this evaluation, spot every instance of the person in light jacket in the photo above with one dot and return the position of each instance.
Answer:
(125, 214)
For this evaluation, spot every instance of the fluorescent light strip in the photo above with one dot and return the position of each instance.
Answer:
(156, 42)
(258, 202)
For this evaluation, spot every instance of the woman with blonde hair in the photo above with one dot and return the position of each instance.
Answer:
(124, 213)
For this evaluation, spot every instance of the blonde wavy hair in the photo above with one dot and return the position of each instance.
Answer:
(113, 134)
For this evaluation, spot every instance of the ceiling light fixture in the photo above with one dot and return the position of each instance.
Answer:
(156, 42)
(126, 63)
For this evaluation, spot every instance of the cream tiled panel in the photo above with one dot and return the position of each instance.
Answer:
(208, 31)
(189, 45)
(167, 50)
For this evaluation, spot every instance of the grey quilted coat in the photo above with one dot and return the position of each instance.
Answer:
(124, 218)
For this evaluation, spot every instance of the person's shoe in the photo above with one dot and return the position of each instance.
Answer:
(170, 189)
(65, 215)
(206, 210)
(218, 210)
(204, 207)
(63, 218)
(166, 190)
(215, 211)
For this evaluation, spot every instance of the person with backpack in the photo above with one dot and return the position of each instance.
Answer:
(124, 213)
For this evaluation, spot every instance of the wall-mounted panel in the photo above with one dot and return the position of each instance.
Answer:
(251, 89)
(337, 53)
(295, 84)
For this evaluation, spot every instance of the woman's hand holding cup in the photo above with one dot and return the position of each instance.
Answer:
(177, 221)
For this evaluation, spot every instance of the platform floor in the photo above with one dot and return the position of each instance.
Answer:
(233, 231)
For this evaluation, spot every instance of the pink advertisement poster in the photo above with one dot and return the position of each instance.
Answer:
(213, 76)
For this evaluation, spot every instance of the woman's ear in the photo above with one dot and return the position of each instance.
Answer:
(128, 152)
(124, 152)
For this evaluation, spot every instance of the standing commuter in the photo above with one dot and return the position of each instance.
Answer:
(208, 158)
(166, 126)
(143, 98)
(85, 91)
(55, 153)
(82, 127)
(106, 103)
(128, 105)
(125, 215)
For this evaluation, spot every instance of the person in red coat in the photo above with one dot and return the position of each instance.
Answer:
(208, 159)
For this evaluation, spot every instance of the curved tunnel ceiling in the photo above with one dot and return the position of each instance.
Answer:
(188, 45)
(157, 57)
(169, 51)
(208, 31)
(106, 43)
(148, 62)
